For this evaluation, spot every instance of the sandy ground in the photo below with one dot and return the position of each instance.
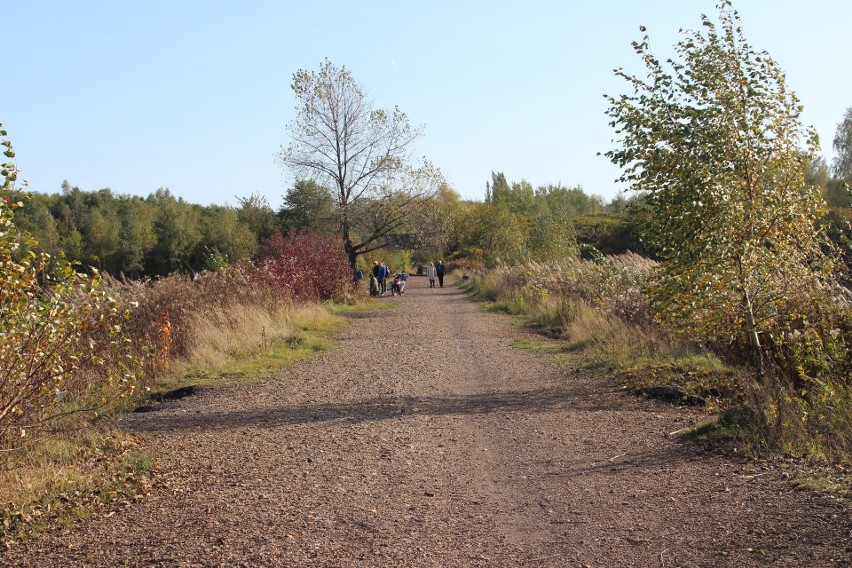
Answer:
(427, 439)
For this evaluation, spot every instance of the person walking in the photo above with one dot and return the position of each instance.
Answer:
(430, 273)
(439, 270)
(383, 277)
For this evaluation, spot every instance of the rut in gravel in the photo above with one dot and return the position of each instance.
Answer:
(426, 439)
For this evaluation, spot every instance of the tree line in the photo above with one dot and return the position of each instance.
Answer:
(162, 233)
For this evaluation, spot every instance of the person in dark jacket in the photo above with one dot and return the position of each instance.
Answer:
(377, 271)
(439, 270)
(383, 277)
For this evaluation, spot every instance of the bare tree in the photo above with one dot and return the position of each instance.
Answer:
(339, 141)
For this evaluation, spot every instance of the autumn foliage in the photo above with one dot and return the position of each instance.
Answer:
(306, 266)
(63, 347)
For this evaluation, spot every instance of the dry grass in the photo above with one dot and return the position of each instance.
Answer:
(61, 479)
(247, 344)
(215, 336)
(221, 334)
(602, 311)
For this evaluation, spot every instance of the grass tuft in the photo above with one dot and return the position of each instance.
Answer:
(61, 480)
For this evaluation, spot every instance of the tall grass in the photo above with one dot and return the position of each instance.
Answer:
(603, 311)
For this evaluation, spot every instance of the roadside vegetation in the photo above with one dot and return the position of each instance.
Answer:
(740, 302)
(723, 279)
(79, 346)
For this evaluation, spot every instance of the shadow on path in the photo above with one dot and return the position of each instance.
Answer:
(380, 408)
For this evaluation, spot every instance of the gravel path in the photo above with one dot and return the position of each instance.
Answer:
(426, 439)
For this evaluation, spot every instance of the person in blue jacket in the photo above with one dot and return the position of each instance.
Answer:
(383, 277)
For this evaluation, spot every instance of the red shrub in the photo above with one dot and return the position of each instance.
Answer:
(306, 266)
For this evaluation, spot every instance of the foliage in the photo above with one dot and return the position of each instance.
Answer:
(223, 234)
(609, 233)
(187, 331)
(306, 266)
(435, 222)
(257, 216)
(601, 309)
(614, 287)
(842, 166)
(362, 154)
(63, 348)
(501, 234)
(137, 237)
(551, 235)
(716, 144)
(837, 225)
(308, 207)
(517, 197)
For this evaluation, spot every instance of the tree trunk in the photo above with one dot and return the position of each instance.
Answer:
(352, 255)
(753, 336)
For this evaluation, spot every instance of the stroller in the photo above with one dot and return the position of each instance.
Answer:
(398, 284)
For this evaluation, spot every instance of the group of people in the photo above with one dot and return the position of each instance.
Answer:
(381, 274)
(379, 282)
(435, 269)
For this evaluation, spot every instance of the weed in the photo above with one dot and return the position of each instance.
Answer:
(530, 345)
(62, 479)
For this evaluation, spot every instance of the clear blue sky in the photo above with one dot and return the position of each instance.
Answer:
(193, 95)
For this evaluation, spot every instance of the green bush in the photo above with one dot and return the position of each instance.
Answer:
(63, 350)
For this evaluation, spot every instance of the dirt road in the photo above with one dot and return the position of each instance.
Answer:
(426, 439)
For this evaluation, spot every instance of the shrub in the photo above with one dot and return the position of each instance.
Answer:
(805, 395)
(307, 266)
(63, 348)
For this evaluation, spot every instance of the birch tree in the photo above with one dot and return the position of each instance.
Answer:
(713, 138)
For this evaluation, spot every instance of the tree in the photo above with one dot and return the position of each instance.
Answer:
(102, 237)
(224, 237)
(36, 220)
(718, 146)
(58, 330)
(497, 189)
(308, 206)
(362, 154)
(136, 235)
(500, 235)
(842, 165)
(258, 216)
(434, 223)
(551, 235)
(177, 232)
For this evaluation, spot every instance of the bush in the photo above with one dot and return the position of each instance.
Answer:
(307, 266)
(63, 347)
(805, 394)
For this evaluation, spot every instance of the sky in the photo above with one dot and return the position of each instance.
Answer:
(194, 95)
